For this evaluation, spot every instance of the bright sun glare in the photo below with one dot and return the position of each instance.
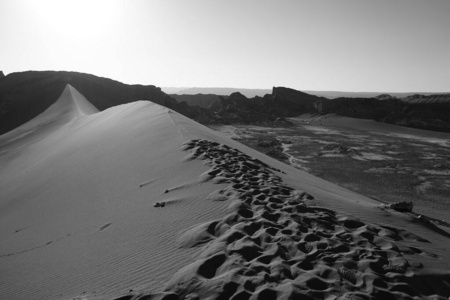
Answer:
(76, 18)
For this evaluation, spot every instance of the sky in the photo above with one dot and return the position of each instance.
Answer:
(328, 45)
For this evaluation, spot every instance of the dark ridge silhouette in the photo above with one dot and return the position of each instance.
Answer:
(250, 93)
(290, 100)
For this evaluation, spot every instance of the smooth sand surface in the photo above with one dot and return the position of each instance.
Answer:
(79, 217)
(332, 120)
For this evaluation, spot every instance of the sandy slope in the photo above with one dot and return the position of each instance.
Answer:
(77, 216)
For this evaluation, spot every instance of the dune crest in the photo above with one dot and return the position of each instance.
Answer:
(91, 205)
(70, 105)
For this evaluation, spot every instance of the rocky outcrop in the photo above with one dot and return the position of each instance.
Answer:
(292, 102)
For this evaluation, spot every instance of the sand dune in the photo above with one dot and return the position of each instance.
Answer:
(78, 218)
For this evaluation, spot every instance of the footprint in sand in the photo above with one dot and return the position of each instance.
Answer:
(274, 245)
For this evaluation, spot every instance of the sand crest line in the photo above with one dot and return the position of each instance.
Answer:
(275, 246)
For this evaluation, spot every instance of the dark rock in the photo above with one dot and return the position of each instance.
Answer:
(402, 206)
(290, 102)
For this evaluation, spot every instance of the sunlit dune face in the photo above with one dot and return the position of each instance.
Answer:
(80, 18)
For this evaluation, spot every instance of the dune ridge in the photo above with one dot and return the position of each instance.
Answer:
(62, 183)
(70, 105)
(78, 218)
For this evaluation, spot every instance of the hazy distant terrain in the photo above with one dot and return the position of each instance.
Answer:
(249, 93)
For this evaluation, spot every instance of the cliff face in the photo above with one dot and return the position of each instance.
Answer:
(290, 101)
(27, 94)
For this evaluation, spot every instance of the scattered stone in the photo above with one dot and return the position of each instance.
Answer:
(402, 206)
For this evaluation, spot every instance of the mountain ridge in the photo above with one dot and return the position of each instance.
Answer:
(24, 95)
